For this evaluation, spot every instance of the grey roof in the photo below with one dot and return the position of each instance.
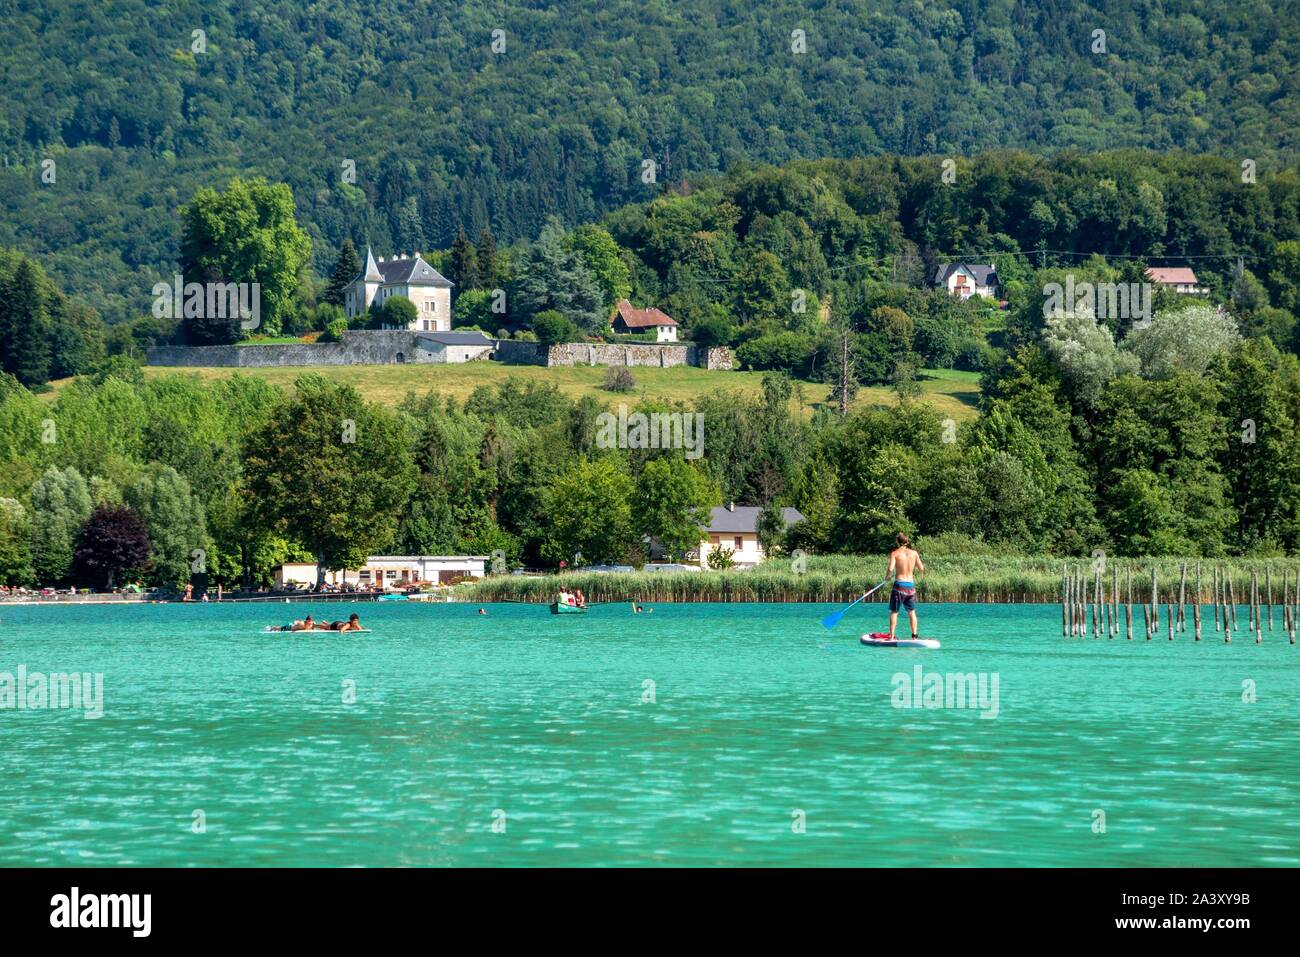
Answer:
(744, 518)
(370, 271)
(454, 339)
(411, 271)
(982, 272)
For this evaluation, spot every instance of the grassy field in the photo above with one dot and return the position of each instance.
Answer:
(951, 392)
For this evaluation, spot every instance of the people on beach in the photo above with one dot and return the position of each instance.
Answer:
(904, 562)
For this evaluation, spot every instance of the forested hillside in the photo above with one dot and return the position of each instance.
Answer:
(138, 113)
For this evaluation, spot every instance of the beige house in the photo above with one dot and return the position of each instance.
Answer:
(628, 320)
(1179, 279)
(736, 527)
(963, 280)
(388, 572)
(409, 276)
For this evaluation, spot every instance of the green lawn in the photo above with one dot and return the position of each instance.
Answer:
(952, 393)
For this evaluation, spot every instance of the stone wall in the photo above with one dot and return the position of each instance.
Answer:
(359, 347)
(388, 347)
(664, 355)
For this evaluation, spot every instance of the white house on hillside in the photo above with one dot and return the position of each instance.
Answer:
(960, 279)
(1179, 279)
(408, 276)
(628, 319)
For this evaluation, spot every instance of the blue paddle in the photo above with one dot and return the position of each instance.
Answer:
(833, 619)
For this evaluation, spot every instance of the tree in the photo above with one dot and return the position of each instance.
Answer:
(61, 503)
(1188, 338)
(113, 544)
(552, 276)
(489, 266)
(604, 258)
(346, 268)
(397, 312)
(24, 327)
(175, 521)
(247, 234)
(588, 511)
(672, 503)
(1086, 354)
(464, 264)
(553, 327)
(330, 471)
(15, 544)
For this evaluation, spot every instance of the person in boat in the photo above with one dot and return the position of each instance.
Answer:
(904, 563)
(578, 599)
(565, 597)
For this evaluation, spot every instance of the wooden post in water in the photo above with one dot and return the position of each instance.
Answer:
(1065, 601)
(1128, 605)
(1182, 598)
(1214, 593)
(1268, 577)
(1259, 613)
(1114, 595)
(1253, 598)
(1146, 619)
(1155, 602)
(1196, 608)
(1172, 614)
(1229, 607)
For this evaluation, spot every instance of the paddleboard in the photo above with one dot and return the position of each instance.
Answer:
(271, 629)
(879, 639)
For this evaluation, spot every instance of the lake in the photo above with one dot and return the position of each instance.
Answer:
(694, 735)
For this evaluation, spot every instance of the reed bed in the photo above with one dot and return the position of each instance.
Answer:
(839, 578)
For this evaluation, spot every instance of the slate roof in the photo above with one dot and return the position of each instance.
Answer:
(984, 274)
(411, 271)
(454, 339)
(744, 519)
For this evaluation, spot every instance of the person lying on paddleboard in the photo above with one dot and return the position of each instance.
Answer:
(904, 563)
(352, 624)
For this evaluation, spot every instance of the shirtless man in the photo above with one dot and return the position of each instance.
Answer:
(904, 562)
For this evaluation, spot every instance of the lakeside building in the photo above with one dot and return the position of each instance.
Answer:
(736, 527)
(386, 571)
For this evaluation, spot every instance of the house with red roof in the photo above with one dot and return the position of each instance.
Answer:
(1179, 279)
(628, 320)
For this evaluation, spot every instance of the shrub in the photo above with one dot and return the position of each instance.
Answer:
(720, 559)
(781, 350)
(619, 379)
(334, 331)
(553, 327)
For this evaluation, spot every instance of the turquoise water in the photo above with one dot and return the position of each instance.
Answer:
(538, 723)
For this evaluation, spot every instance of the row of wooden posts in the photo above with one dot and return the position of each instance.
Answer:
(1084, 601)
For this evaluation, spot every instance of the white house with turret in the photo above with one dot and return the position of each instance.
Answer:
(408, 276)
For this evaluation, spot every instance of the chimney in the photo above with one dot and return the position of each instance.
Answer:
(731, 506)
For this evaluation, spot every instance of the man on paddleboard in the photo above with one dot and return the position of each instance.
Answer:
(904, 563)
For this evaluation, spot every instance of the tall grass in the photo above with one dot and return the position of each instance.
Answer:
(840, 578)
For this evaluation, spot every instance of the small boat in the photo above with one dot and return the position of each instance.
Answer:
(394, 598)
(558, 609)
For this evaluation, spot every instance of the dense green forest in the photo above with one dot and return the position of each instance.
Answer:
(116, 115)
